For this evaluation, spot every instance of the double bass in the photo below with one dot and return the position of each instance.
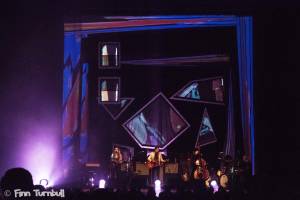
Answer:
(200, 171)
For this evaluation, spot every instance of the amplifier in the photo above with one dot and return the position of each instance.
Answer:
(171, 168)
(126, 167)
(141, 169)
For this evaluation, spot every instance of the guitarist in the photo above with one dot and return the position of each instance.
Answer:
(116, 161)
(155, 161)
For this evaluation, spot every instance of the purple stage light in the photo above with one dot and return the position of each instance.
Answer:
(44, 182)
(102, 183)
(157, 183)
(157, 187)
(214, 185)
(40, 153)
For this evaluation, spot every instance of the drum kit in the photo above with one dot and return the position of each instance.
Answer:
(229, 170)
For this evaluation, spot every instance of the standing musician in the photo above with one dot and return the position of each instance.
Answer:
(116, 161)
(200, 170)
(186, 167)
(155, 161)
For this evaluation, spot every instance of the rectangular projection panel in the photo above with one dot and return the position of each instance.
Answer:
(109, 55)
(108, 90)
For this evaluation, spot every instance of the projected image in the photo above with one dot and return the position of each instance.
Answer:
(84, 115)
(204, 91)
(192, 92)
(157, 123)
(217, 87)
(109, 55)
(108, 90)
(206, 134)
(70, 121)
(116, 109)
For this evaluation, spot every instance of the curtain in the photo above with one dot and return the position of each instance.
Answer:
(245, 65)
(230, 140)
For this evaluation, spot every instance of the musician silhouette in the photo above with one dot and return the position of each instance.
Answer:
(155, 161)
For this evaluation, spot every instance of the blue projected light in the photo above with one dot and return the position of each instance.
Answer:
(209, 90)
(245, 58)
(157, 123)
(191, 92)
(206, 133)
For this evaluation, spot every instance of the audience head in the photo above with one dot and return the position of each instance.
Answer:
(16, 178)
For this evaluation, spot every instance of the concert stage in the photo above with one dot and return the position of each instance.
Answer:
(176, 82)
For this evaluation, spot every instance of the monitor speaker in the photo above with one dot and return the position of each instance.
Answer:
(171, 168)
(141, 169)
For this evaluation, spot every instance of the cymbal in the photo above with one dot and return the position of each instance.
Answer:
(220, 156)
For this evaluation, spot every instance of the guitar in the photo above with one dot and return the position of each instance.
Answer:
(116, 161)
(152, 164)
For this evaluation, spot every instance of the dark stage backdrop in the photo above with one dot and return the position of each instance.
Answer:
(143, 82)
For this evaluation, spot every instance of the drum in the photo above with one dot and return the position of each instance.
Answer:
(224, 181)
(185, 177)
(207, 182)
(219, 173)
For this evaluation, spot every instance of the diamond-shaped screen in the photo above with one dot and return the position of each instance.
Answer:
(157, 123)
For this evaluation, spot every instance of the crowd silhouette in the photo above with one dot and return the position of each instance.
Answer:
(19, 178)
